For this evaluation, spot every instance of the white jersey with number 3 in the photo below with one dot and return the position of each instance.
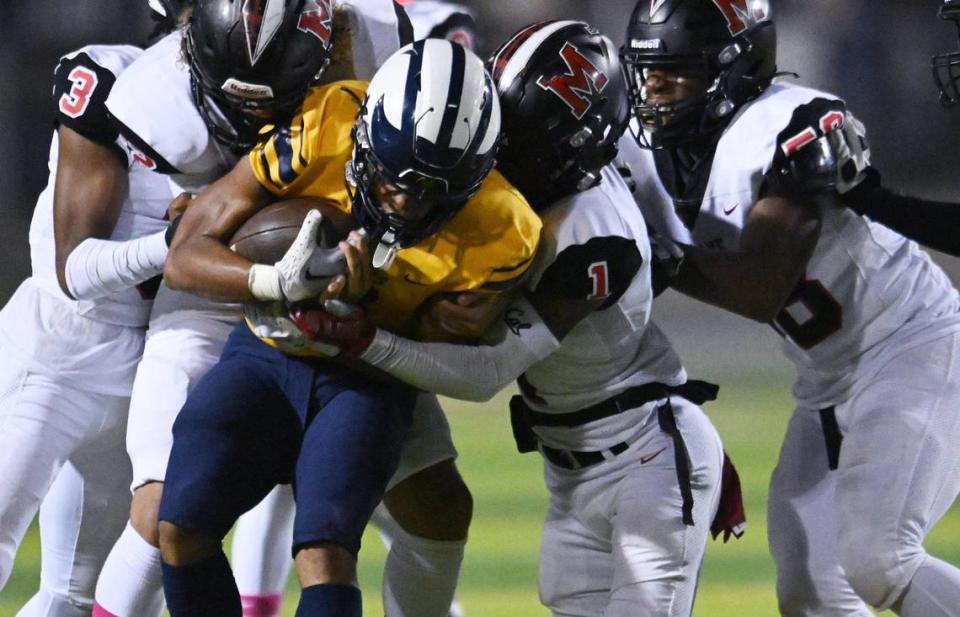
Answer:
(867, 293)
(94, 344)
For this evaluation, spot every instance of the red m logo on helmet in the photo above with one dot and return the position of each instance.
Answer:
(736, 13)
(317, 20)
(577, 86)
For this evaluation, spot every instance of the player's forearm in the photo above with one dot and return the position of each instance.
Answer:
(97, 268)
(472, 373)
(204, 266)
(753, 285)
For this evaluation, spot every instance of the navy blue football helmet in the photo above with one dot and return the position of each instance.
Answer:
(428, 126)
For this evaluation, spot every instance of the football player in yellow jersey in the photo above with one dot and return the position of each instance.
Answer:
(418, 183)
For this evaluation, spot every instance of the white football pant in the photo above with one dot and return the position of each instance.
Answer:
(50, 431)
(851, 537)
(614, 542)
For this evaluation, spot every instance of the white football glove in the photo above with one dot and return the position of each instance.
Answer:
(270, 322)
(305, 270)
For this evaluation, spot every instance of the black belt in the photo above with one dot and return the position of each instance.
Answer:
(574, 459)
(697, 392)
(832, 436)
(668, 424)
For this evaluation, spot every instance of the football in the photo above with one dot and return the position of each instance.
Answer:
(266, 236)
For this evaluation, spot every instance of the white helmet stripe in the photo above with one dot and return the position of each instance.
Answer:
(260, 29)
(520, 58)
(434, 86)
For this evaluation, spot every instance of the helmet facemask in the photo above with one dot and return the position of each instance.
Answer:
(253, 62)
(234, 120)
(675, 122)
(946, 66)
(734, 61)
(389, 230)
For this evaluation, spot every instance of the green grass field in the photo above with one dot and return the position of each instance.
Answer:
(499, 575)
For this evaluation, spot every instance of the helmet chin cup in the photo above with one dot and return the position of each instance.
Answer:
(386, 251)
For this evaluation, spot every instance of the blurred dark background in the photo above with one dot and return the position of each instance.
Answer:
(874, 53)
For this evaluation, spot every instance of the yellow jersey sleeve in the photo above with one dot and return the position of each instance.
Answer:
(307, 155)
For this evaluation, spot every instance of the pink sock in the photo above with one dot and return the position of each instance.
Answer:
(256, 606)
(99, 611)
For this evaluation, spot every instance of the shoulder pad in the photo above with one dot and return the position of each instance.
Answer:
(152, 107)
(602, 267)
(823, 147)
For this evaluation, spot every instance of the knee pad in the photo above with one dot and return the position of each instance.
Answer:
(878, 569)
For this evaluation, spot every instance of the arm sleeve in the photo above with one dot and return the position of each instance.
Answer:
(97, 268)
(473, 373)
(932, 223)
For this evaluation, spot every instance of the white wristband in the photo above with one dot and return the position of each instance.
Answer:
(264, 282)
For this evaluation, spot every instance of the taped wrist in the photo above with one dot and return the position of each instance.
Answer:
(98, 268)
(467, 372)
(264, 282)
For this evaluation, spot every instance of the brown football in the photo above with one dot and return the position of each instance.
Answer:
(266, 236)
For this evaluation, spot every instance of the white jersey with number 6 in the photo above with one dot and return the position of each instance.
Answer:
(867, 293)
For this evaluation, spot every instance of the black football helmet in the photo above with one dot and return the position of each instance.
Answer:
(946, 66)
(564, 105)
(252, 61)
(167, 12)
(730, 44)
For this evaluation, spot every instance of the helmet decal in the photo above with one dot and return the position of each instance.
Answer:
(576, 86)
(655, 6)
(736, 13)
(261, 21)
(317, 20)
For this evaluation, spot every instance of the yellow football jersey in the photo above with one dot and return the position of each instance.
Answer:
(488, 245)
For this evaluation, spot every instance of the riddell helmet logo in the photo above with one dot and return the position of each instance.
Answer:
(239, 88)
(261, 21)
(317, 19)
(576, 86)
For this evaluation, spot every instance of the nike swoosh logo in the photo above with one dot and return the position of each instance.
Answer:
(730, 210)
(646, 459)
(407, 278)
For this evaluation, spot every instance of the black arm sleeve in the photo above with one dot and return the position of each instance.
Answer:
(934, 224)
